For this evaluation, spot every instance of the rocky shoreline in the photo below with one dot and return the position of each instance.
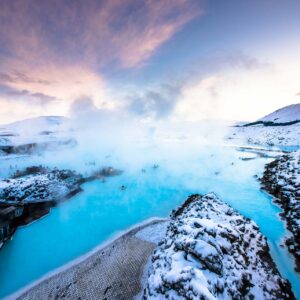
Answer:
(210, 251)
(206, 251)
(113, 271)
(31, 193)
(281, 179)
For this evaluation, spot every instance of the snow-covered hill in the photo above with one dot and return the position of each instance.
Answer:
(280, 128)
(23, 137)
(37, 125)
(286, 114)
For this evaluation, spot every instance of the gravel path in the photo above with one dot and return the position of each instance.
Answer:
(113, 272)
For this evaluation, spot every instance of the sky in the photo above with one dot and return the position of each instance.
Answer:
(174, 60)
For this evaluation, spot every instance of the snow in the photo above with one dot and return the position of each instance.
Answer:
(279, 135)
(36, 134)
(36, 125)
(284, 115)
(153, 233)
(212, 252)
(50, 185)
(266, 136)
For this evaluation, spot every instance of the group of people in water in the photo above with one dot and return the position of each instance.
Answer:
(155, 166)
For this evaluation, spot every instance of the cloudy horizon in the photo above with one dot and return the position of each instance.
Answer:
(180, 60)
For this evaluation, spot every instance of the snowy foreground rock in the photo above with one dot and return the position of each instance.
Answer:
(212, 252)
(281, 178)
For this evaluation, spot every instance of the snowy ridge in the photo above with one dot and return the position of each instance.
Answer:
(284, 115)
(282, 179)
(212, 252)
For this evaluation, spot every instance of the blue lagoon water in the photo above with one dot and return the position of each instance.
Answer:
(102, 210)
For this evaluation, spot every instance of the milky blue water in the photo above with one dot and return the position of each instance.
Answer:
(102, 210)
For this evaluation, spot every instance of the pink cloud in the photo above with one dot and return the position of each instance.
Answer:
(98, 33)
(58, 49)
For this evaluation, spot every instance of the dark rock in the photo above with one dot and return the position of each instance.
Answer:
(281, 179)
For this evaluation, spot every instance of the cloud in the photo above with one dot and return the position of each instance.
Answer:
(67, 83)
(153, 103)
(234, 60)
(242, 89)
(199, 94)
(122, 32)
(82, 106)
(154, 24)
(99, 123)
(25, 96)
(42, 97)
(200, 100)
(58, 49)
(17, 77)
(242, 60)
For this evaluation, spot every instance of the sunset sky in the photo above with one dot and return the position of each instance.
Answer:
(159, 59)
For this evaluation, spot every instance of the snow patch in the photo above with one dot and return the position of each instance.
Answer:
(153, 233)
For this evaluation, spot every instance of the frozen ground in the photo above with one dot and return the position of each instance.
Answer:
(284, 137)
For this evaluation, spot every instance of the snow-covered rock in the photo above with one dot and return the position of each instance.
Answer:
(282, 179)
(212, 252)
(38, 184)
(31, 193)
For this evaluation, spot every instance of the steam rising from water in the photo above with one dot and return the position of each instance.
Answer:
(124, 140)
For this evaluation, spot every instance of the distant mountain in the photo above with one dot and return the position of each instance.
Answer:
(283, 115)
(37, 125)
(287, 115)
(281, 128)
(36, 135)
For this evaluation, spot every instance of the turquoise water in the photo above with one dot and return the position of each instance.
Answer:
(288, 148)
(102, 210)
